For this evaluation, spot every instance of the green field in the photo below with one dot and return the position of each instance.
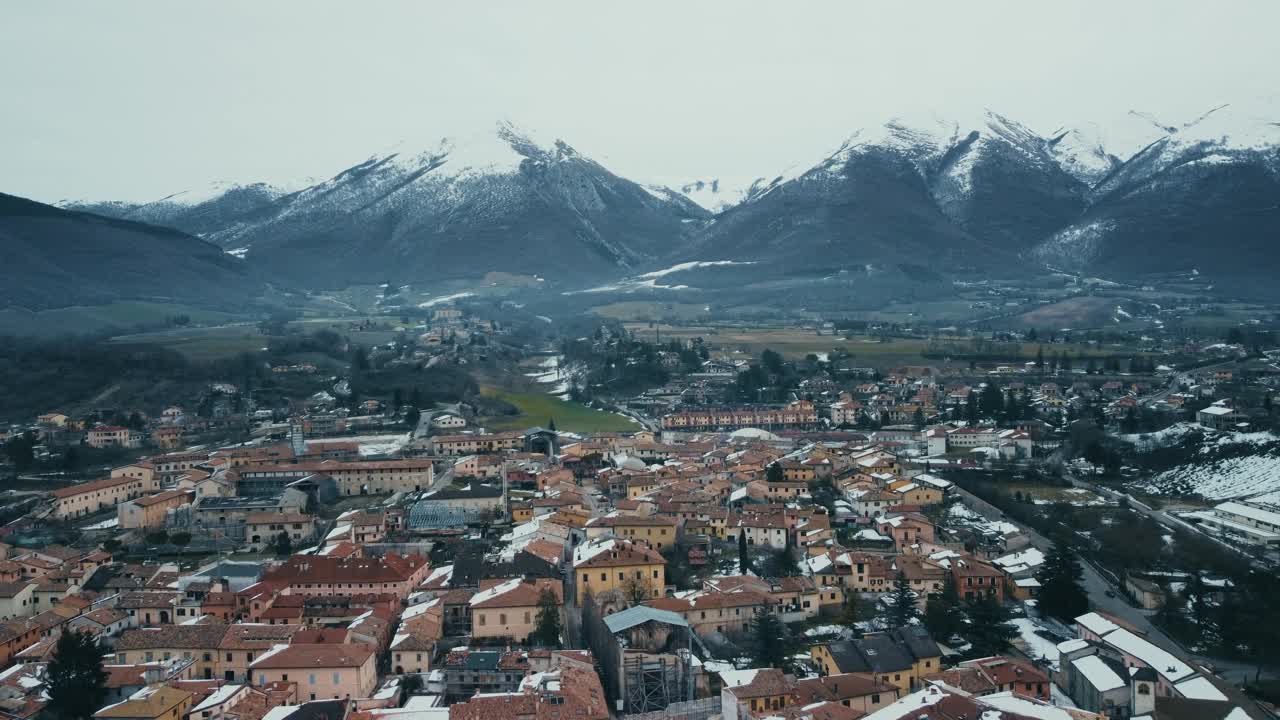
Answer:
(209, 343)
(537, 408)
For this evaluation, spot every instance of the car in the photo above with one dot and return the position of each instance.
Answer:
(1111, 593)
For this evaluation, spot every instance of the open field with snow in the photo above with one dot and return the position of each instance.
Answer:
(1224, 465)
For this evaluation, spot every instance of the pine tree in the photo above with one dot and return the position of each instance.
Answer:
(989, 628)
(283, 545)
(547, 632)
(942, 614)
(904, 609)
(75, 681)
(551, 424)
(774, 473)
(744, 560)
(1062, 593)
(849, 613)
(769, 640)
(784, 563)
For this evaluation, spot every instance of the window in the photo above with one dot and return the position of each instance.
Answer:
(311, 680)
(875, 699)
(482, 618)
(1144, 689)
(502, 618)
(337, 679)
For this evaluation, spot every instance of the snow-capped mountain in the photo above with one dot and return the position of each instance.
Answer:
(1203, 196)
(937, 195)
(927, 191)
(496, 200)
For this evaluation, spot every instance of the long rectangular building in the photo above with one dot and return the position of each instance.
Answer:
(471, 444)
(371, 477)
(795, 415)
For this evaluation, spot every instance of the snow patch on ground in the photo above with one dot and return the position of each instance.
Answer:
(649, 280)
(1036, 646)
(445, 299)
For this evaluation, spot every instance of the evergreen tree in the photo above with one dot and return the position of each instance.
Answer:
(769, 640)
(411, 417)
(917, 418)
(942, 614)
(283, 545)
(989, 628)
(547, 632)
(784, 563)
(849, 613)
(1062, 593)
(774, 473)
(904, 609)
(971, 408)
(551, 424)
(744, 560)
(75, 681)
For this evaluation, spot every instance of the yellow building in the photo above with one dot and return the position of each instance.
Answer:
(149, 511)
(612, 564)
(909, 493)
(160, 702)
(91, 497)
(507, 610)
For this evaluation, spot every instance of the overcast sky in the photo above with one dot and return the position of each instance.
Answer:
(136, 100)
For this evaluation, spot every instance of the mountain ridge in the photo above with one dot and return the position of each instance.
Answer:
(948, 195)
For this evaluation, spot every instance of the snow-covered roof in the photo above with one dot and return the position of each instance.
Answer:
(1098, 673)
(1158, 659)
(1096, 624)
(1199, 688)
(495, 591)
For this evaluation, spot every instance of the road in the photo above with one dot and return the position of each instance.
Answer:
(1098, 587)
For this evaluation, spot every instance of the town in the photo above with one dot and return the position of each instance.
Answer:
(805, 536)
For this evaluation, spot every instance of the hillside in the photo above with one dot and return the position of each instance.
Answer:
(56, 258)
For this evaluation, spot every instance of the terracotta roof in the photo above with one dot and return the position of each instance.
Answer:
(257, 636)
(195, 637)
(390, 568)
(315, 656)
(93, 486)
(767, 682)
(163, 497)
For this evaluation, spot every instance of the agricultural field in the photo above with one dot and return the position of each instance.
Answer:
(223, 341)
(538, 408)
(794, 343)
(90, 318)
(203, 343)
